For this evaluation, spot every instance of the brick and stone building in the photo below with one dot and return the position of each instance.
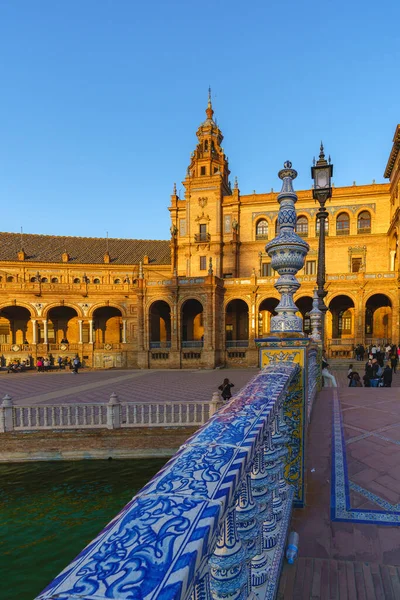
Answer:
(202, 297)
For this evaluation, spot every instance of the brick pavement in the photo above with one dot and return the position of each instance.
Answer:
(349, 559)
(131, 386)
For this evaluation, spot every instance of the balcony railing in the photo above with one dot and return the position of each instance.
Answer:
(262, 236)
(237, 343)
(193, 344)
(202, 237)
(344, 231)
(166, 344)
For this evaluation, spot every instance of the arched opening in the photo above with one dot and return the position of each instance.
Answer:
(304, 304)
(77, 280)
(107, 325)
(160, 325)
(262, 230)
(378, 319)
(96, 280)
(302, 226)
(266, 310)
(343, 224)
(342, 313)
(15, 325)
(54, 280)
(237, 324)
(192, 324)
(364, 222)
(62, 326)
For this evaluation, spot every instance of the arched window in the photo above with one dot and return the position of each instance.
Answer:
(54, 280)
(364, 222)
(32, 279)
(10, 279)
(117, 281)
(317, 227)
(262, 230)
(45, 280)
(96, 280)
(206, 146)
(302, 226)
(343, 224)
(77, 280)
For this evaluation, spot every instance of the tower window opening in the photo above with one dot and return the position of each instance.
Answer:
(202, 170)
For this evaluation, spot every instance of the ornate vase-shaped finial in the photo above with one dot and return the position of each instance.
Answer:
(287, 251)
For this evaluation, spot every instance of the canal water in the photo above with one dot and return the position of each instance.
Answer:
(49, 511)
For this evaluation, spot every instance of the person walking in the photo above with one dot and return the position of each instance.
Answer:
(77, 364)
(60, 362)
(350, 373)
(387, 376)
(326, 374)
(393, 361)
(226, 389)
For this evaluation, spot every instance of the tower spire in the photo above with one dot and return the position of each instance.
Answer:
(209, 110)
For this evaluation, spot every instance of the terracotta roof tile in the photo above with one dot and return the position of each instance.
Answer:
(49, 248)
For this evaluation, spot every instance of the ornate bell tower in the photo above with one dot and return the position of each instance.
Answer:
(198, 218)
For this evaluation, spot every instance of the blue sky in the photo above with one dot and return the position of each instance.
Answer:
(100, 101)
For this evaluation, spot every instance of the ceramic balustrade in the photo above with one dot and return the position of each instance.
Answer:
(212, 524)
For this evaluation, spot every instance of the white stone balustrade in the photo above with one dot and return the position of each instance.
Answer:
(113, 415)
(213, 522)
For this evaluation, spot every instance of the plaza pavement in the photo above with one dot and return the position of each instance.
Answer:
(63, 387)
(350, 555)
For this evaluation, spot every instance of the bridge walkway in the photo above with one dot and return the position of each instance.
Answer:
(350, 529)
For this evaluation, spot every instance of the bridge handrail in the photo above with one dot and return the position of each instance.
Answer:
(214, 519)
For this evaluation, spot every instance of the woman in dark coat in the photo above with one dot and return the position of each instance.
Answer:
(226, 389)
(387, 376)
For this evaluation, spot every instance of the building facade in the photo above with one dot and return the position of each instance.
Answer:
(201, 298)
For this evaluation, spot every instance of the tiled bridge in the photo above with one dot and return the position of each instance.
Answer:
(349, 529)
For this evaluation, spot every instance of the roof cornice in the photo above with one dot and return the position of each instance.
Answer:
(394, 153)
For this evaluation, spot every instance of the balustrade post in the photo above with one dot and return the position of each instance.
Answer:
(274, 508)
(215, 403)
(260, 566)
(248, 526)
(228, 563)
(113, 412)
(6, 414)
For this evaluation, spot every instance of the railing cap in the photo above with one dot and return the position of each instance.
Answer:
(7, 401)
(113, 399)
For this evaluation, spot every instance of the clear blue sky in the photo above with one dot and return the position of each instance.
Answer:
(100, 101)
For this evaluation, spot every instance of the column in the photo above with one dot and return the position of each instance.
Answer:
(90, 331)
(80, 321)
(124, 331)
(34, 331)
(45, 332)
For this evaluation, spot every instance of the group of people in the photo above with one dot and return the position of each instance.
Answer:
(17, 366)
(45, 364)
(387, 352)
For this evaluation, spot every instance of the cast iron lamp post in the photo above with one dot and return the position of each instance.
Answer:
(321, 173)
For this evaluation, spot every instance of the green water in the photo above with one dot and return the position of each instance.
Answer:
(49, 511)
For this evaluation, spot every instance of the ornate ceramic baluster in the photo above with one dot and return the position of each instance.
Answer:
(201, 589)
(228, 573)
(262, 497)
(279, 440)
(270, 527)
(287, 251)
(247, 524)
